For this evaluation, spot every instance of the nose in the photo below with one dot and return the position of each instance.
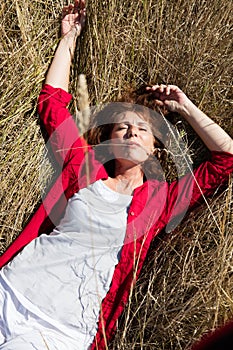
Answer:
(132, 131)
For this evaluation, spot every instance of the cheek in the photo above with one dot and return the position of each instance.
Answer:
(150, 142)
(117, 138)
(114, 145)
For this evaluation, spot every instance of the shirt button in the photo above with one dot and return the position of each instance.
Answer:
(132, 213)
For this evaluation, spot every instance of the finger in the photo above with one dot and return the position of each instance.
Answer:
(155, 87)
(79, 5)
(159, 103)
(82, 4)
(76, 7)
(155, 91)
(167, 90)
(162, 88)
(71, 20)
(65, 10)
(83, 17)
(170, 105)
(76, 19)
(71, 8)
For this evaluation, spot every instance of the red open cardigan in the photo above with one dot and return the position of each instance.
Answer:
(154, 204)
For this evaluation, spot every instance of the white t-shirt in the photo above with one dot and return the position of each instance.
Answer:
(64, 276)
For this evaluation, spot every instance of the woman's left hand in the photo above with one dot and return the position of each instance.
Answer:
(174, 99)
(170, 97)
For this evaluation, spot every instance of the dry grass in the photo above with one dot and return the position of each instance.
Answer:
(186, 286)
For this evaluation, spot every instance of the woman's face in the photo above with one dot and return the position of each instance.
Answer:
(132, 139)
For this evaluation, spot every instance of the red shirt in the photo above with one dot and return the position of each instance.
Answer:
(155, 205)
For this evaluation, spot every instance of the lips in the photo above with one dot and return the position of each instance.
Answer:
(127, 143)
(131, 143)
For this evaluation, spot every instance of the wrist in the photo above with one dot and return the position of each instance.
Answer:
(68, 42)
(188, 109)
(69, 39)
(72, 34)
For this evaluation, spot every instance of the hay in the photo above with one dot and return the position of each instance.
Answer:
(186, 286)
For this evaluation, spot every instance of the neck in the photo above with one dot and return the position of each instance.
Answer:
(132, 174)
(126, 179)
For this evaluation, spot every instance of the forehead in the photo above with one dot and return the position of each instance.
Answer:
(130, 117)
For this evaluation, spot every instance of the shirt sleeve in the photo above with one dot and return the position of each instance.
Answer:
(192, 189)
(61, 128)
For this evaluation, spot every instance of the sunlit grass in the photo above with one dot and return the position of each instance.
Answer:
(186, 286)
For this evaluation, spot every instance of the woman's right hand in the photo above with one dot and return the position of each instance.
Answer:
(73, 19)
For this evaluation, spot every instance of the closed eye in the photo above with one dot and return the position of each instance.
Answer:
(122, 127)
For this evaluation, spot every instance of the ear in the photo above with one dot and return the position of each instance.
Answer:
(152, 151)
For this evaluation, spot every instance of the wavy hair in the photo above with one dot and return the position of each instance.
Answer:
(102, 123)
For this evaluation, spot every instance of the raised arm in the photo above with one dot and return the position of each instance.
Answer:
(172, 98)
(73, 20)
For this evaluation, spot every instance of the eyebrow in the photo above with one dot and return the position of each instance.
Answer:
(129, 122)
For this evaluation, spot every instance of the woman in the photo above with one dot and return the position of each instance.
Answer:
(67, 289)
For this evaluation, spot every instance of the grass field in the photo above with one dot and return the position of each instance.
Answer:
(186, 287)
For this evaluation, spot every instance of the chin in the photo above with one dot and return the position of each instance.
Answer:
(135, 156)
(130, 162)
